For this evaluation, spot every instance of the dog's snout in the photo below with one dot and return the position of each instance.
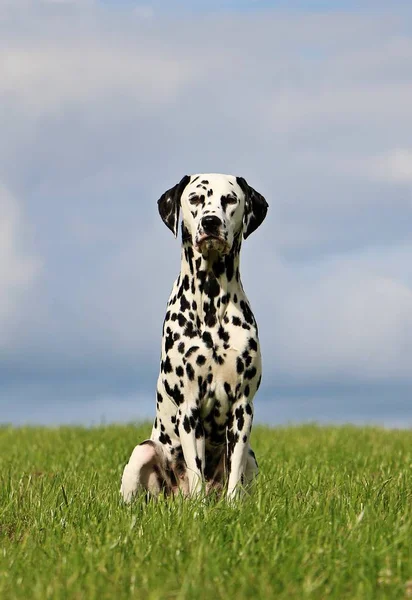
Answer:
(211, 224)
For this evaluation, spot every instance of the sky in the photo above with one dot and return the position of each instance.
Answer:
(104, 105)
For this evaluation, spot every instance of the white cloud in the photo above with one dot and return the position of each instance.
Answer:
(395, 166)
(342, 318)
(43, 82)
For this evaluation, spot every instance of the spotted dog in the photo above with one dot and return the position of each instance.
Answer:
(210, 362)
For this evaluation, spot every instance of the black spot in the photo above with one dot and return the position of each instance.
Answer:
(210, 319)
(181, 347)
(190, 258)
(159, 397)
(200, 360)
(250, 373)
(184, 304)
(227, 388)
(169, 342)
(164, 438)
(247, 312)
(179, 371)
(194, 305)
(190, 372)
(253, 344)
(236, 321)
(190, 330)
(198, 463)
(181, 320)
(212, 287)
(248, 409)
(224, 335)
(240, 367)
(207, 338)
(174, 393)
(186, 424)
(191, 350)
(235, 298)
(247, 391)
(232, 439)
(209, 193)
(240, 416)
(244, 439)
(210, 378)
(167, 365)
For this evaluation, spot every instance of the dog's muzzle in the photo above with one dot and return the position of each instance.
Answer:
(210, 237)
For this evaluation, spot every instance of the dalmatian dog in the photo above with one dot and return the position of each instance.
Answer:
(210, 360)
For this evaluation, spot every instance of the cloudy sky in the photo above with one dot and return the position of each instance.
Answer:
(105, 104)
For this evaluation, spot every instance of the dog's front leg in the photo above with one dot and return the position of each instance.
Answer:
(238, 433)
(192, 439)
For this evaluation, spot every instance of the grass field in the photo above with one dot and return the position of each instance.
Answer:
(330, 517)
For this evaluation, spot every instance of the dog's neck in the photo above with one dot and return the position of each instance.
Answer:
(214, 280)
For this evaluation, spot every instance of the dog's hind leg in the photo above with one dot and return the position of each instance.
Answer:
(144, 472)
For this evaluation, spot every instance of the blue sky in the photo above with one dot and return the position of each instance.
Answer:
(101, 110)
(257, 5)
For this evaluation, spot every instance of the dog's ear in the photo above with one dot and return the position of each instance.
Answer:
(256, 207)
(169, 204)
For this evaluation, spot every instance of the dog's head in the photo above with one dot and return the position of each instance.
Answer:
(215, 210)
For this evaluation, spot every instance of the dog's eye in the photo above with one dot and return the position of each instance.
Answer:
(231, 200)
(195, 200)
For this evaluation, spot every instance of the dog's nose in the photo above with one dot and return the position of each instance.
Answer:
(211, 224)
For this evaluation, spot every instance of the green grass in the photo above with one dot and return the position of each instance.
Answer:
(330, 517)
